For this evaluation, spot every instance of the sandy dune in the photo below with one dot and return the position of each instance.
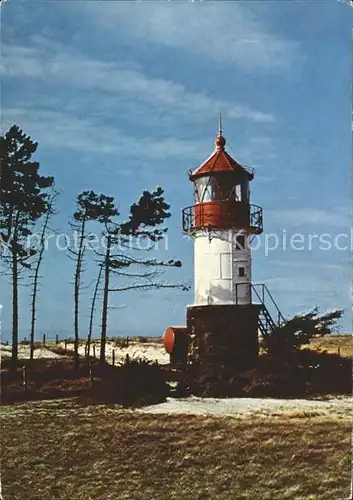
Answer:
(24, 352)
(152, 351)
(340, 407)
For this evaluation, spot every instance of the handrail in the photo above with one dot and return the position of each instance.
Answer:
(255, 217)
(250, 170)
(262, 296)
(280, 317)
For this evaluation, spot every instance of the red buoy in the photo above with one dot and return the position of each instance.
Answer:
(175, 342)
(169, 339)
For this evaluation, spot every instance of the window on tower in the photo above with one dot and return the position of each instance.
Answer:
(200, 185)
(226, 186)
(206, 189)
(240, 242)
(208, 193)
(245, 190)
(241, 271)
(238, 196)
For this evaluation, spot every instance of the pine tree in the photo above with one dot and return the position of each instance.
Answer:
(287, 340)
(24, 199)
(144, 223)
(89, 207)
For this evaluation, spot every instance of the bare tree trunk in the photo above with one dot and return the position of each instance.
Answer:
(105, 300)
(33, 309)
(77, 291)
(14, 308)
(93, 305)
(36, 275)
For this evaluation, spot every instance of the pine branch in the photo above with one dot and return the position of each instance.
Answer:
(150, 286)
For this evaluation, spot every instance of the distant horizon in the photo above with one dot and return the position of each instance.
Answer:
(52, 338)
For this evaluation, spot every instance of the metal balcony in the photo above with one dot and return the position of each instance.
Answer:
(218, 215)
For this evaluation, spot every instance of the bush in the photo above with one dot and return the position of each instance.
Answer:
(122, 342)
(286, 340)
(307, 374)
(134, 383)
(62, 351)
(206, 381)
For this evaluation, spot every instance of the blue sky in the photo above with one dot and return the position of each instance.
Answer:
(124, 96)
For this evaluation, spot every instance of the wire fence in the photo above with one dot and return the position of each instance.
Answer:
(91, 349)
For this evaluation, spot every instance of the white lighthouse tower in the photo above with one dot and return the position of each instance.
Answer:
(222, 222)
(223, 323)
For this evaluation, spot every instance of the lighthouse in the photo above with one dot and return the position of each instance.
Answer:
(228, 310)
(222, 222)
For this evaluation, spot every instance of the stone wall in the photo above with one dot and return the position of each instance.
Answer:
(224, 337)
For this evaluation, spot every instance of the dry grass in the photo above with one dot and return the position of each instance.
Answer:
(58, 450)
(330, 343)
(333, 343)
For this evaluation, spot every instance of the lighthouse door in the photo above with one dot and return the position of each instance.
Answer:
(241, 282)
(242, 293)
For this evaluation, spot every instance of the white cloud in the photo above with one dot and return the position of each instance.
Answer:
(226, 32)
(336, 217)
(124, 81)
(309, 284)
(58, 128)
(89, 135)
(314, 264)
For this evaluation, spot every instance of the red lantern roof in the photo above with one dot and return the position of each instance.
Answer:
(220, 160)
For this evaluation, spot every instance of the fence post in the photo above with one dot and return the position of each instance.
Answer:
(90, 374)
(94, 351)
(57, 339)
(65, 346)
(113, 356)
(339, 350)
(24, 377)
(43, 338)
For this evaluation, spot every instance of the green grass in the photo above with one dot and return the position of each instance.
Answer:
(59, 450)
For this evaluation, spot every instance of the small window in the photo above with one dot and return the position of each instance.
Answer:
(245, 191)
(241, 272)
(207, 194)
(240, 242)
(206, 189)
(238, 192)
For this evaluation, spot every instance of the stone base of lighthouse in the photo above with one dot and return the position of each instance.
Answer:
(223, 337)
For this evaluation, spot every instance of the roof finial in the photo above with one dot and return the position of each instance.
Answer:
(220, 140)
(220, 124)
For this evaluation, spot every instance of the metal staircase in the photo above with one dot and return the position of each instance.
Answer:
(270, 316)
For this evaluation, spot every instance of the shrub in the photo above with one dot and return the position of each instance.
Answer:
(286, 340)
(308, 373)
(62, 351)
(122, 342)
(133, 383)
